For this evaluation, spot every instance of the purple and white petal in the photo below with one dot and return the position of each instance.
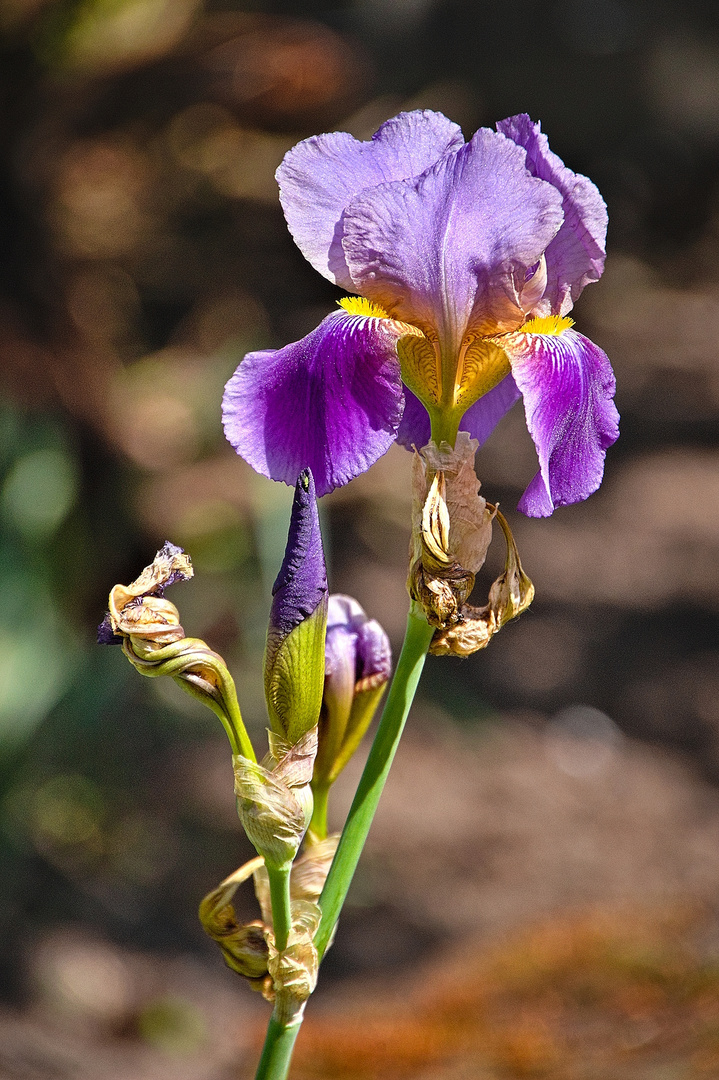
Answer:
(444, 250)
(370, 650)
(481, 419)
(576, 254)
(320, 176)
(331, 402)
(568, 387)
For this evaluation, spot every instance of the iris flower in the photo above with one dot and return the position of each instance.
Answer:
(467, 257)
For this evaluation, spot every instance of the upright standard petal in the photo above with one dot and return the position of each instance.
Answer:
(319, 177)
(444, 250)
(568, 385)
(331, 402)
(576, 254)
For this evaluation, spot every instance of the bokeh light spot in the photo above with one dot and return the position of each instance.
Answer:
(39, 492)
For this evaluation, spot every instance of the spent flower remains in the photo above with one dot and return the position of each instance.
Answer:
(464, 260)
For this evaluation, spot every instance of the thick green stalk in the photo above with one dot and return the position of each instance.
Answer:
(277, 1051)
(409, 668)
(445, 425)
(318, 825)
(280, 897)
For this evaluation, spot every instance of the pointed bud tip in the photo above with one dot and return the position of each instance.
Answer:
(301, 584)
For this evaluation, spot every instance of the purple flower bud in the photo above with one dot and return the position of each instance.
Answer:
(295, 652)
(353, 638)
(358, 662)
(301, 584)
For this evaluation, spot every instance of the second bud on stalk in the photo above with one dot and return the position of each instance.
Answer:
(358, 662)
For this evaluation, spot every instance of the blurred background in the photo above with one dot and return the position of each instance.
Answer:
(539, 893)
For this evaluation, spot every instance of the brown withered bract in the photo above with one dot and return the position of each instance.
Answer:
(509, 596)
(451, 529)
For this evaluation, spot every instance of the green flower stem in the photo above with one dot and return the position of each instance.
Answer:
(233, 707)
(280, 897)
(404, 684)
(277, 1051)
(445, 426)
(318, 825)
(177, 661)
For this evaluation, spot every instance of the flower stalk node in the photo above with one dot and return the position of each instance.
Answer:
(294, 969)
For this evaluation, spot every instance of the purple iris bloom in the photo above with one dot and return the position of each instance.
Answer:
(468, 257)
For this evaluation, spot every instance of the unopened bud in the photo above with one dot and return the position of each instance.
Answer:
(358, 662)
(295, 651)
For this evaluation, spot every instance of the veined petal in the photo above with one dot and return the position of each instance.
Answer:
(444, 250)
(568, 385)
(331, 402)
(319, 177)
(576, 254)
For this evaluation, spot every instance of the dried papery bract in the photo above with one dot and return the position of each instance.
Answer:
(294, 968)
(309, 872)
(244, 946)
(451, 529)
(274, 799)
(509, 596)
